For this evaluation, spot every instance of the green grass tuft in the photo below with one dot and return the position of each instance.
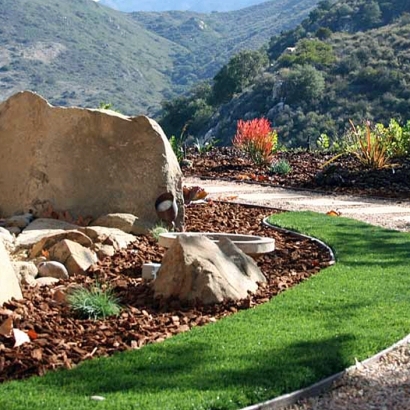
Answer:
(94, 303)
(351, 310)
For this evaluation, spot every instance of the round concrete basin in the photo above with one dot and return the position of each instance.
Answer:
(249, 244)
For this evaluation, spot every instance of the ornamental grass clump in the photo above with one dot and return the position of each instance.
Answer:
(281, 167)
(257, 139)
(95, 303)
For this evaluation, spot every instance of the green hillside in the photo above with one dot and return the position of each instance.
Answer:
(82, 53)
(349, 59)
(212, 39)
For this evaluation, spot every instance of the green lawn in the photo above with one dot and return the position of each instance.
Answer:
(351, 310)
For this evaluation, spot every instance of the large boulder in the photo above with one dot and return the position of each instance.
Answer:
(88, 162)
(196, 268)
(9, 285)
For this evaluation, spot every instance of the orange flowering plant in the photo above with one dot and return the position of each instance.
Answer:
(256, 138)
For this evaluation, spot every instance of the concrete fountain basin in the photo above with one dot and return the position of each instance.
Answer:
(249, 244)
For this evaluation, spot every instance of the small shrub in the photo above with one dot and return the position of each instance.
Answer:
(94, 303)
(323, 142)
(257, 139)
(281, 167)
(158, 230)
(370, 146)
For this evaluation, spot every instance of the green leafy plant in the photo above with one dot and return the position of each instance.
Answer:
(94, 303)
(395, 138)
(257, 139)
(323, 142)
(204, 147)
(157, 230)
(178, 144)
(372, 145)
(281, 167)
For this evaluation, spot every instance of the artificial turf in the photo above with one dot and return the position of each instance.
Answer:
(348, 311)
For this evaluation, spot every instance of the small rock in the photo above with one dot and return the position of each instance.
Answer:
(104, 250)
(75, 257)
(52, 269)
(14, 230)
(97, 398)
(122, 221)
(26, 279)
(47, 281)
(28, 268)
(19, 221)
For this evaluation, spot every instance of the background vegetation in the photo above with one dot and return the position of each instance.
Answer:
(350, 59)
(82, 53)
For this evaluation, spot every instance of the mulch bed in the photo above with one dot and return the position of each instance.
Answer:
(59, 339)
(346, 175)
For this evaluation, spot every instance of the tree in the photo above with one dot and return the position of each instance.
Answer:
(303, 84)
(370, 14)
(240, 71)
(312, 52)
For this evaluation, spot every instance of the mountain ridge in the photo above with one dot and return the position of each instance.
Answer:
(201, 6)
(83, 53)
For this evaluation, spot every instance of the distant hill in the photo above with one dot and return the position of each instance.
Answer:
(201, 6)
(349, 59)
(212, 38)
(80, 52)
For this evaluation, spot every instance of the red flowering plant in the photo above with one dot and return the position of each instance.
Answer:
(257, 139)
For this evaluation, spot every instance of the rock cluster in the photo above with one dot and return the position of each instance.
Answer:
(48, 250)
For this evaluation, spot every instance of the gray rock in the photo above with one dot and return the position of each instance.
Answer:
(14, 230)
(19, 221)
(52, 269)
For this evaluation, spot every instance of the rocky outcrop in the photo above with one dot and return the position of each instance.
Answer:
(195, 268)
(9, 285)
(83, 161)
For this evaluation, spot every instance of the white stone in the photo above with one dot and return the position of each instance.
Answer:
(9, 285)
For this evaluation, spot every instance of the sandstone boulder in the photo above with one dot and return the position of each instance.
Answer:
(42, 228)
(76, 258)
(108, 236)
(49, 241)
(195, 268)
(87, 162)
(127, 223)
(9, 285)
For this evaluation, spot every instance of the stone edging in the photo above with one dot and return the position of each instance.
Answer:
(329, 249)
(321, 386)
(325, 384)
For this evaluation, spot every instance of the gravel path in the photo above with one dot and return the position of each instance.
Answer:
(388, 213)
(383, 384)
